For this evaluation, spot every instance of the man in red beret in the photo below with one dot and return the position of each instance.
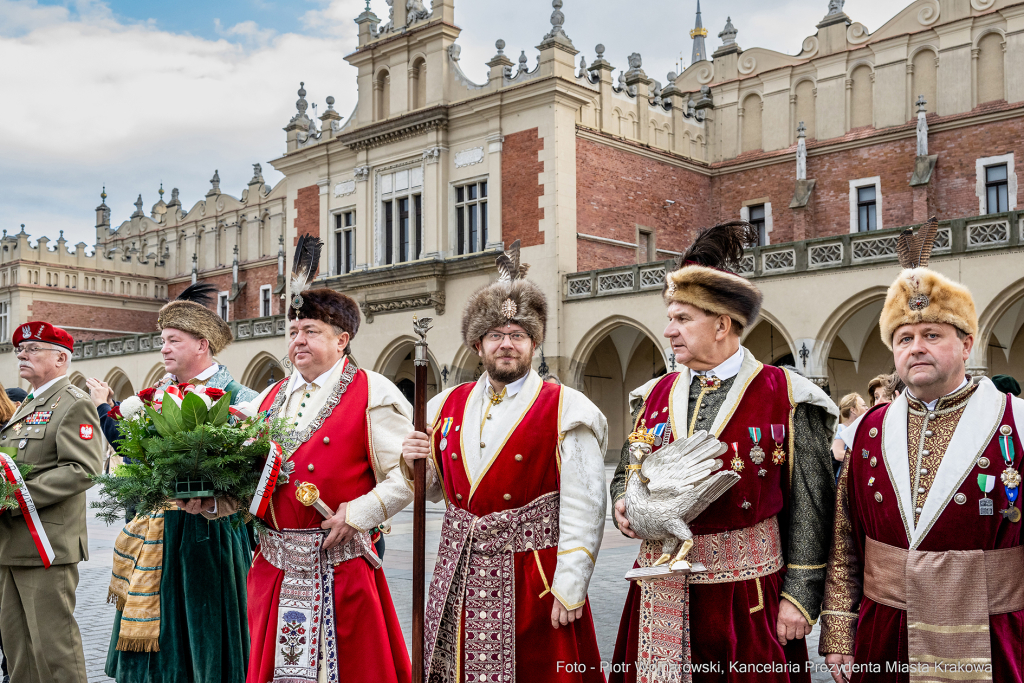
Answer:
(56, 430)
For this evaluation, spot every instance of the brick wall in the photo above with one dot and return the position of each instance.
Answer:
(81, 319)
(617, 190)
(307, 212)
(247, 305)
(521, 188)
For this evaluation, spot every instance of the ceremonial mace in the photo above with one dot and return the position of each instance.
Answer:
(419, 510)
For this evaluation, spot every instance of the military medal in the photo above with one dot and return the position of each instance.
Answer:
(659, 434)
(778, 435)
(762, 472)
(1010, 478)
(986, 482)
(445, 426)
(17, 428)
(756, 453)
(737, 461)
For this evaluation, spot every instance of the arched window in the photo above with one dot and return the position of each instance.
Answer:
(924, 81)
(418, 84)
(804, 107)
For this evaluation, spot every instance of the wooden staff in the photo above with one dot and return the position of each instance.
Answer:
(419, 509)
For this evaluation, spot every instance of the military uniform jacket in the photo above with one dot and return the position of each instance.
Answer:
(58, 433)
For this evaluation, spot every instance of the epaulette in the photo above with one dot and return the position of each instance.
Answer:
(76, 392)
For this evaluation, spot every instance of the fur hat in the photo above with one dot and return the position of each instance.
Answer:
(512, 299)
(329, 306)
(704, 275)
(188, 313)
(921, 295)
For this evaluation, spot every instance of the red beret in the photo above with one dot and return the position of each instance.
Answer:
(43, 332)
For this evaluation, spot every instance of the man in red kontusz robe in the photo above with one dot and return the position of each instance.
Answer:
(924, 576)
(520, 464)
(348, 427)
(765, 541)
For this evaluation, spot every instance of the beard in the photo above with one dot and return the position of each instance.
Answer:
(507, 374)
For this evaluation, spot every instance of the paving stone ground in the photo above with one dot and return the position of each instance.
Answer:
(607, 587)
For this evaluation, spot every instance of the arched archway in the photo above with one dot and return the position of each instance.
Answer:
(119, 384)
(1000, 342)
(396, 363)
(465, 367)
(769, 341)
(78, 379)
(263, 370)
(852, 351)
(156, 373)
(615, 357)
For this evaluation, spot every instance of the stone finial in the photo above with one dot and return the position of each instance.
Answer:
(801, 130)
(330, 103)
(522, 62)
(921, 101)
(499, 44)
(635, 61)
(922, 127)
(599, 50)
(103, 196)
(557, 33)
(455, 52)
(235, 251)
(801, 152)
(835, 7)
(583, 66)
(672, 76)
(622, 80)
(61, 238)
(161, 190)
(138, 207)
(174, 197)
(300, 104)
(728, 34)
(257, 174)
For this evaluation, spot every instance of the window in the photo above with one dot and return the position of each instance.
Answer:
(866, 204)
(471, 217)
(265, 301)
(5, 320)
(645, 246)
(222, 306)
(344, 242)
(866, 217)
(400, 225)
(997, 188)
(757, 216)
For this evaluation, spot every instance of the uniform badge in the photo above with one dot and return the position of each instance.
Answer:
(445, 427)
(85, 432)
(17, 428)
(986, 482)
(22, 443)
(40, 417)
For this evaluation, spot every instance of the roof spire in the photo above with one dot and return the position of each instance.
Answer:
(699, 33)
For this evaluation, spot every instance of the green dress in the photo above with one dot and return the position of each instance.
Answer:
(204, 634)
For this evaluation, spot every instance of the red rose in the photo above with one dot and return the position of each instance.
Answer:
(148, 395)
(115, 412)
(214, 394)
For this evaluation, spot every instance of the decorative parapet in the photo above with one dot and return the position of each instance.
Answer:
(385, 132)
(252, 328)
(960, 236)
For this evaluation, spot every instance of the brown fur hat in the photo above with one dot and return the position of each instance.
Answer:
(921, 295)
(716, 291)
(487, 309)
(329, 306)
(197, 320)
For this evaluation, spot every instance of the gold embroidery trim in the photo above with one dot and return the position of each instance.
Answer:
(569, 607)
(796, 603)
(704, 391)
(573, 550)
(739, 398)
(383, 507)
(508, 436)
(760, 596)
(807, 566)
(932, 628)
(540, 568)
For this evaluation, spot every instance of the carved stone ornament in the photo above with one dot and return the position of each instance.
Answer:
(469, 157)
(433, 300)
(835, 7)
(345, 188)
(635, 61)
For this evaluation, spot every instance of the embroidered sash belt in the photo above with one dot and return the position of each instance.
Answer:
(305, 612)
(948, 597)
(735, 555)
(474, 579)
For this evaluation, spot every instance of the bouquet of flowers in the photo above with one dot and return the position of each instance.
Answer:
(9, 488)
(186, 442)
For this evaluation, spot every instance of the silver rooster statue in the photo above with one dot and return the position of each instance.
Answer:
(667, 489)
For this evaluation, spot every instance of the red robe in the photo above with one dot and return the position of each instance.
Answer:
(734, 621)
(526, 467)
(370, 644)
(882, 630)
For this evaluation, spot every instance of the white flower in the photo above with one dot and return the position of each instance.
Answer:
(131, 406)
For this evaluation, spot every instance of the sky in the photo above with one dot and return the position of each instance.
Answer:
(129, 94)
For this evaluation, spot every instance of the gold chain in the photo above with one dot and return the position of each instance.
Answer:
(494, 400)
(707, 385)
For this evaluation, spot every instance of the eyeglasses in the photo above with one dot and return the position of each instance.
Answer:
(516, 337)
(32, 350)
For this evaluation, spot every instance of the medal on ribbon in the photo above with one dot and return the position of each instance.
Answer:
(445, 427)
(737, 462)
(778, 436)
(986, 482)
(659, 433)
(1010, 478)
(756, 452)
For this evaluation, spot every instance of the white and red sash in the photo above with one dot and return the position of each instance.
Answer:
(28, 510)
(268, 480)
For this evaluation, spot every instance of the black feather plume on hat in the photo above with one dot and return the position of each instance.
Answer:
(304, 266)
(200, 293)
(720, 247)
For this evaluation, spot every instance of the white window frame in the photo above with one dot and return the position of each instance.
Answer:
(336, 218)
(268, 291)
(854, 186)
(768, 223)
(223, 305)
(453, 220)
(416, 186)
(1011, 181)
(5, 320)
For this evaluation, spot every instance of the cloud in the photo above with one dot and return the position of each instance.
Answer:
(92, 100)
